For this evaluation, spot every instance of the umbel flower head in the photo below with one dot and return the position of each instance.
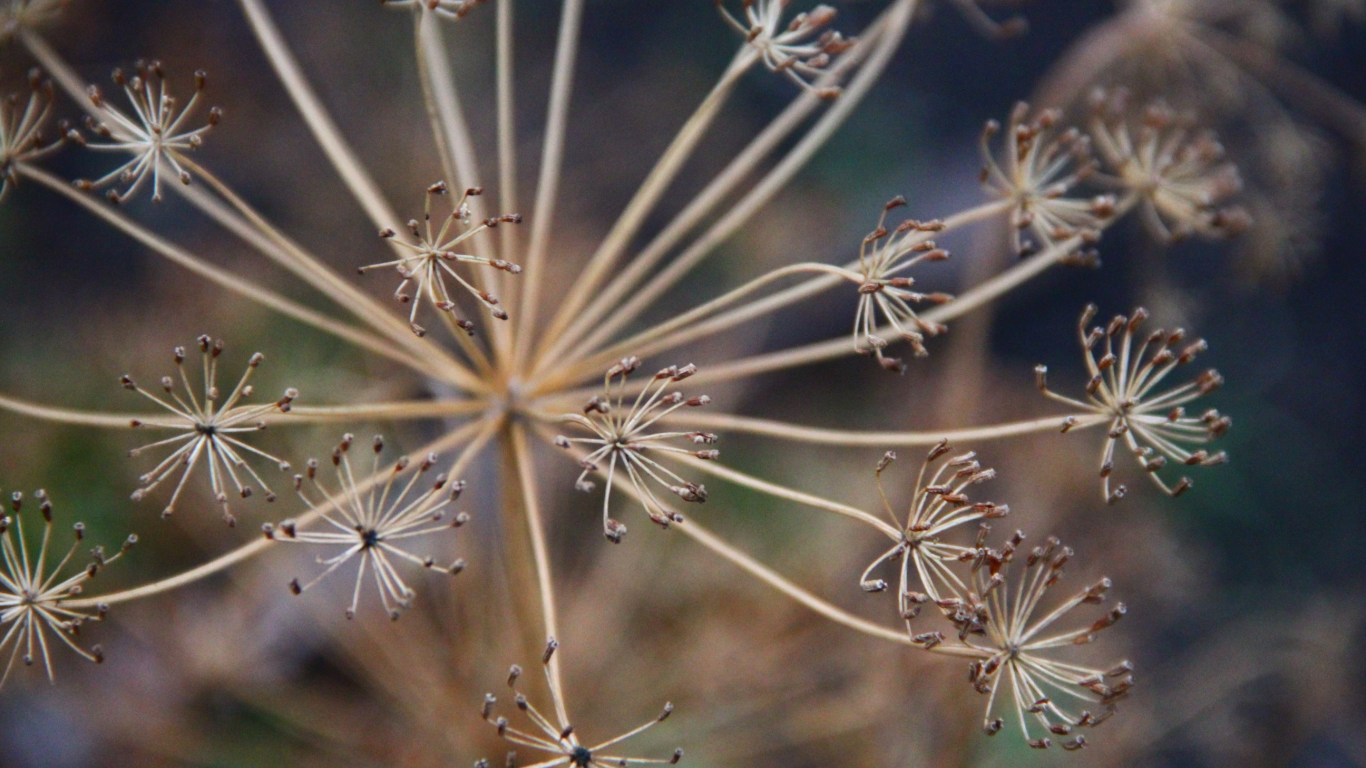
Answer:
(1038, 172)
(33, 592)
(886, 292)
(208, 430)
(450, 9)
(1014, 652)
(1179, 174)
(798, 48)
(433, 255)
(155, 134)
(26, 13)
(1154, 426)
(21, 130)
(372, 526)
(939, 505)
(623, 438)
(561, 741)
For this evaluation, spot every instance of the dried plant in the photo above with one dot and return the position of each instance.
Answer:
(505, 391)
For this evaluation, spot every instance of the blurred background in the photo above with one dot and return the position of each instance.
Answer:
(1247, 618)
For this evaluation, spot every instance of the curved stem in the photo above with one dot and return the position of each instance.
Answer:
(783, 492)
(855, 439)
(417, 409)
(258, 546)
(526, 473)
(221, 277)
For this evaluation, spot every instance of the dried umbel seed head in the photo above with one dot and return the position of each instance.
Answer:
(1177, 172)
(212, 429)
(21, 130)
(801, 48)
(155, 135)
(433, 260)
(885, 290)
(1015, 650)
(1126, 370)
(623, 440)
(373, 520)
(558, 738)
(35, 598)
(1039, 169)
(17, 14)
(939, 506)
(448, 9)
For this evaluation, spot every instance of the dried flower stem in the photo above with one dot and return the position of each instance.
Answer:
(507, 127)
(526, 473)
(898, 18)
(853, 438)
(552, 157)
(80, 418)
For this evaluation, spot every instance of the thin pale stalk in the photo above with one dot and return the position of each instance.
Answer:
(320, 123)
(899, 19)
(647, 196)
(248, 551)
(81, 418)
(526, 473)
(420, 409)
(225, 279)
(866, 439)
(717, 190)
(507, 127)
(783, 492)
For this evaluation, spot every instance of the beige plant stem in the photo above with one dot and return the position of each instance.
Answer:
(701, 206)
(899, 19)
(81, 418)
(507, 122)
(258, 546)
(526, 472)
(320, 123)
(552, 157)
(724, 422)
(423, 24)
(783, 492)
(223, 278)
(647, 196)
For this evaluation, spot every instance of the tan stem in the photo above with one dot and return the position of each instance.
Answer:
(856, 439)
(80, 418)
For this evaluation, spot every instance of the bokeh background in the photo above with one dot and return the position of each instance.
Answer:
(1247, 617)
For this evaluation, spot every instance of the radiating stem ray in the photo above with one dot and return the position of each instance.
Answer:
(898, 18)
(247, 551)
(81, 418)
(628, 224)
(418, 409)
(552, 158)
(526, 473)
(225, 279)
(724, 422)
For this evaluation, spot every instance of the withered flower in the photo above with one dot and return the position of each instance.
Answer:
(154, 134)
(26, 13)
(1178, 174)
(21, 130)
(1014, 654)
(434, 255)
(33, 597)
(794, 48)
(208, 429)
(886, 292)
(1154, 426)
(367, 525)
(939, 505)
(1038, 172)
(622, 437)
(562, 741)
